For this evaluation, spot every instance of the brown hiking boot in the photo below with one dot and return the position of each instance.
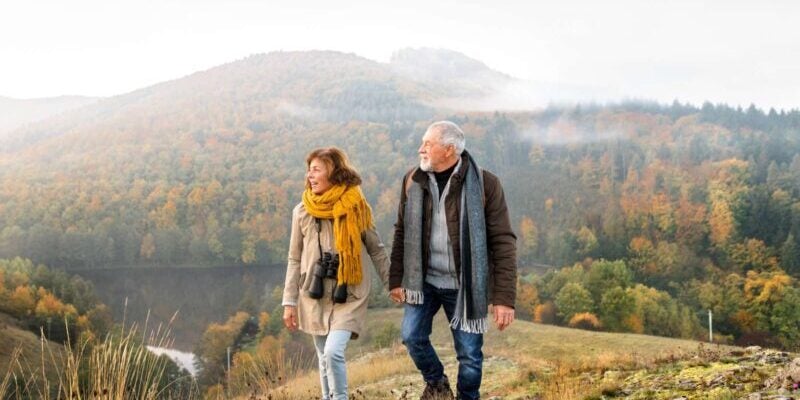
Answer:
(437, 391)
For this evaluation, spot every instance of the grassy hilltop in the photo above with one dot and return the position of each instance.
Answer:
(534, 361)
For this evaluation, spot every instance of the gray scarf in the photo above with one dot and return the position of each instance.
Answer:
(471, 305)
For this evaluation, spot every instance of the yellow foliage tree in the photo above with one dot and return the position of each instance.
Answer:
(527, 299)
(633, 323)
(21, 302)
(765, 287)
(720, 221)
(529, 237)
(50, 306)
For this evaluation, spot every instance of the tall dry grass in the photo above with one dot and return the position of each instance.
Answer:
(362, 373)
(116, 368)
(266, 376)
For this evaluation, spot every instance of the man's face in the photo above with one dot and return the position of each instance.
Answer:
(433, 155)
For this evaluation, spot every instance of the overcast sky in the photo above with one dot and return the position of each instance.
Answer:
(723, 51)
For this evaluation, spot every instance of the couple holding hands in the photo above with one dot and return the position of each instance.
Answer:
(453, 248)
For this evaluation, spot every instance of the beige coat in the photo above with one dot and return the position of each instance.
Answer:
(318, 317)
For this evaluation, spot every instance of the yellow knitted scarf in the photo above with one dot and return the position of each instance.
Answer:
(351, 216)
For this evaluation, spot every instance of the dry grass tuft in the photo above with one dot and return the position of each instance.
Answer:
(120, 367)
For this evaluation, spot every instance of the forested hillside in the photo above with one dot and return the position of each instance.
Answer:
(702, 203)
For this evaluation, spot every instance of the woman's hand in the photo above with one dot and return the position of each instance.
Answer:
(290, 317)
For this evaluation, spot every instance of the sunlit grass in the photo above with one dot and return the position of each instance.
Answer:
(116, 368)
(525, 361)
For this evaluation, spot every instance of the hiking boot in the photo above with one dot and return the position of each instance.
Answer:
(437, 390)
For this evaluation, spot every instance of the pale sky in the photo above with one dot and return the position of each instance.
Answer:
(737, 52)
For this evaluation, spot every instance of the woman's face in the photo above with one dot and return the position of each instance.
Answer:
(317, 175)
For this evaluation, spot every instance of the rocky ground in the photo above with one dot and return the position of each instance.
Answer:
(543, 362)
(752, 374)
(749, 374)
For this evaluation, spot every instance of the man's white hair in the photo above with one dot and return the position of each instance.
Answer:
(449, 133)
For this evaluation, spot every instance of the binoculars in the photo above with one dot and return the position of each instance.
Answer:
(327, 267)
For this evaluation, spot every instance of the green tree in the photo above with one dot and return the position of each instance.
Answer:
(785, 318)
(573, 298)
(790, 255)
(604, 275)
(616, 306)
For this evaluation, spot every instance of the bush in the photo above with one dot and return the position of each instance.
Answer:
(545, 313)
(586, 321)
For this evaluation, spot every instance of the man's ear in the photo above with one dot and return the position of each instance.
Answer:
(452, 150)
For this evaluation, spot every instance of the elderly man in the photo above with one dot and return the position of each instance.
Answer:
(453, 248)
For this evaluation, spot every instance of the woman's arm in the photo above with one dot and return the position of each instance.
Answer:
(291, 287)
(377, 252)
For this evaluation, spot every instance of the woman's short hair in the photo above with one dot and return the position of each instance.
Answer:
(342, 172)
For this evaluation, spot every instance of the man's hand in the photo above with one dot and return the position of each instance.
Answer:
(503, 316)
(398, 295)
(290, 317)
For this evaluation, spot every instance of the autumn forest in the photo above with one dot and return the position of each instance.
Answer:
(631, 217)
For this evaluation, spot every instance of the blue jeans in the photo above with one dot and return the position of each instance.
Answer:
(416, 332)
(332, 369)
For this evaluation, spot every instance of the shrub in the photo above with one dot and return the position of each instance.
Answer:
(587, 321)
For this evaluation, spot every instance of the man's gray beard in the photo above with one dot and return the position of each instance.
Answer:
(425, 166)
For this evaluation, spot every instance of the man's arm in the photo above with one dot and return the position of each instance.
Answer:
(396, 267)
(502, 243)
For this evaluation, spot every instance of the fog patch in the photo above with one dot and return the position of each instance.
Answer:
(298, 110)
(565, 131)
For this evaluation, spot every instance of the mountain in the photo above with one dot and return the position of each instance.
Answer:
(204, 170)
(466, 84)
(457, 73)
(16, 113)
(318, 85)
(315, 85)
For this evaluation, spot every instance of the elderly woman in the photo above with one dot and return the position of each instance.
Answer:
(327, 285)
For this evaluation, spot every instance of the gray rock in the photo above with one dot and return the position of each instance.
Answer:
(718, 380)
(627, 391)
(793, 370)
(744, 369)
(752, 349)
(687, 384)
